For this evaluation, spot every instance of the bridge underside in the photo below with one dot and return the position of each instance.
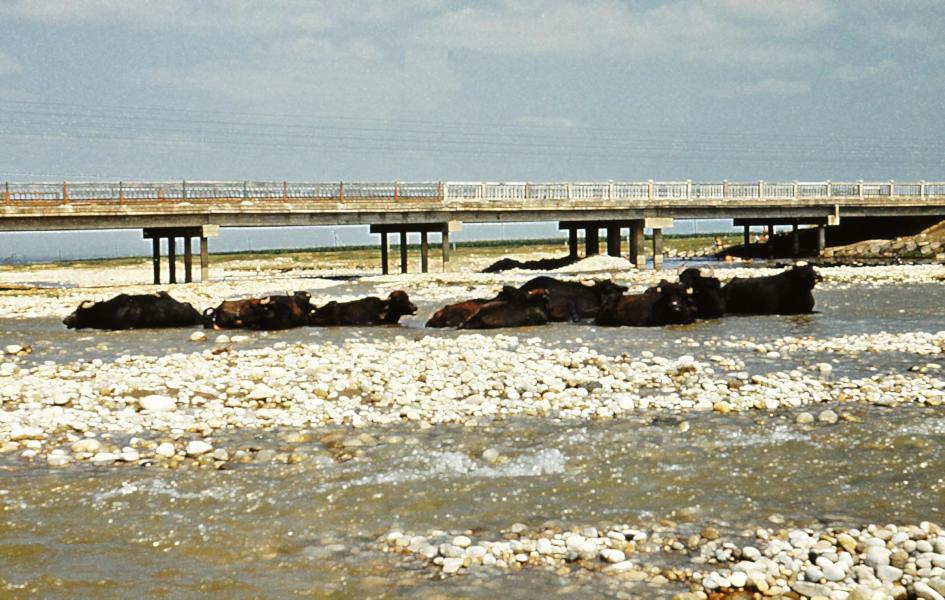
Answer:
(201, 219)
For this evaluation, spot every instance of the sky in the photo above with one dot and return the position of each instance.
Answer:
(504, 90)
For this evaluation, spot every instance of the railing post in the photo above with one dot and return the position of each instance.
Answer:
(396, 191)
(797, 191)
(285, 191)
(892, 188)
(761, 189)
(6, 193)
(65, 193)
(183, 190)
(610, 190)
(860, 186)
(245, 191)
(828, 189)
(649, 189)
(567, 190)
(341, 192)
(724, 189)
(688, 189)
(441, 192)
(121, 193)
(482, 191)
(525, 196)
(921, 190)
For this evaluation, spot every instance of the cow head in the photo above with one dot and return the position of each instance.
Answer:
(695, 278)
(398, 305)
(673, 303)
(805, 276)
(607, 288)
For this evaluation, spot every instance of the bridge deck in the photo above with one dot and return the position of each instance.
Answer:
(62, 206)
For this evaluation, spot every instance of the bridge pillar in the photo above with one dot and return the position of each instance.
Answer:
(171, 259)
(156, 259)
(795, 241)
(821, 239)
(657, 248)
(385, 267)
(613, 240)
(188, 261)
(746, 235)
(204, 259)
(573, 243)
(403, 250)
(591, 241)
(637, 255)
(445, 243)
(424, 253)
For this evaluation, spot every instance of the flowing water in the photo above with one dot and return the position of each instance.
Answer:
(311, 529)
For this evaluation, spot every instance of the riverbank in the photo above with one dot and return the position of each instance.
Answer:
(420, 432)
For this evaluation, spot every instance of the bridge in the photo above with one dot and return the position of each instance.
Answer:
(197, 209)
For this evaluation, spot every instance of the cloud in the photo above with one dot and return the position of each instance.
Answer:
(8, 64)
(764, 87)
(538, 122)
(854, 73)
(693, 31)
(241, 16)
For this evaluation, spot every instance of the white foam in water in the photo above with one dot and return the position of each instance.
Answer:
(158, 487)
(451, 464)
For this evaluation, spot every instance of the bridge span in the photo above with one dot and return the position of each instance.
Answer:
(197, 209)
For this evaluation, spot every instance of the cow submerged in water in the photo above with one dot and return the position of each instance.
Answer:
(666, 304)
(706, 293)
(787, 293)
(511, 308)
(139, 311)
(573, 300)
(268, 313)
(366, 311)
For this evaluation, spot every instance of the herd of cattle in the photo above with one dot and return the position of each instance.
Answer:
(539, 301)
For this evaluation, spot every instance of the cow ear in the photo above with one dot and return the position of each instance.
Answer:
(659, 289)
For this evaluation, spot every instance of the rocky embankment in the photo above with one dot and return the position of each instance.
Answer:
(872, 563)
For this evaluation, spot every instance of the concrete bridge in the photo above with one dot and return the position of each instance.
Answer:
(197, 209)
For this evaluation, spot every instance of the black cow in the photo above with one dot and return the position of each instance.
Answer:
(571, 300)
(126, 311)
(269, 313)
(666, 304)
(366, 311)
(541, 264)
(787, 293)
(707, 293)
(511, 308)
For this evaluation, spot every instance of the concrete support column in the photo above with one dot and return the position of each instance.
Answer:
(445, 242)
(403, 250)
(746, 235)
(572, 242)
(795, 241)
(172, 259)
(156, 259)
(821, 239)
(591, 241)
(637, 256)
(385, 269)
(424, 253)
(204, 259)
(188, 261)
(657, 248)
(613, 240)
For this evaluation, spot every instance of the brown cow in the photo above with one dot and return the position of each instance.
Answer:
(666, 304)
(452, 315)
(366, 311)
(271, 312)
(511, 308)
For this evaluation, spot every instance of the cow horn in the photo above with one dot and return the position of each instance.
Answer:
(265, 300)
(800, 263)
(659, 290)
(689, 291)
(87, 304)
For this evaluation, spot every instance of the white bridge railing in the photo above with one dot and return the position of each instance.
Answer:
(453, 192)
